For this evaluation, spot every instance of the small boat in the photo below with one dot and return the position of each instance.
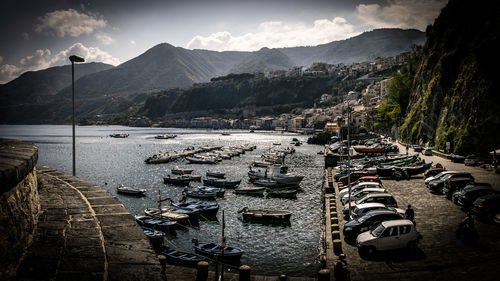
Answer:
(221, 183)
(130, 191)
(415, 170)
(155, 236)
(298, 143)
(181, 171)
(369, 149)
(265, 215)
(214, 174)
(250, 190)
(160, 224)
(276, 143)
(194, 214)
(205, 208)
(177, 180)
(194, 160)
(266, 182)
(212, 249)
(183, 258)
(218, 191)
(226, 134)
(282, 193)
(155, 213)
(198, 193)
(165, 136)
(120, 135)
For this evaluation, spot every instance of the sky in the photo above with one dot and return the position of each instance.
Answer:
(40, 34)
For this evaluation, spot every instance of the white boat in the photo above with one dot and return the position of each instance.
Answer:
(181, 171)
(130, 191)
(275, 173)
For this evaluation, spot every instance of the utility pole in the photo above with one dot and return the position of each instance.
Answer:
(349, 154)
(74, 59)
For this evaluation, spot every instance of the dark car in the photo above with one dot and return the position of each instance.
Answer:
(468, 196)
(457, 194)
(433, 172)
(486, 207)
(436, 186)
(354, 176)
(453, 184)
(368, 221)
(416, 147)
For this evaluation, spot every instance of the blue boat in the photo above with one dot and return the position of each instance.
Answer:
(183, 258)
(198, 193)
(177, 180)
(205, 208)
(221, 183)
(155, 223)
(194, 214)
(218, 191)
(212, 249)
(155, 236)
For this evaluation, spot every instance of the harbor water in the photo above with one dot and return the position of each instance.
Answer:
(109, 162)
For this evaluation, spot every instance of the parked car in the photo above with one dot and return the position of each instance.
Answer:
(361, 193)
(362, 209)
(433, 172)
(438, 176)
(436, 186)
(468, 196)
(393, 234)
(458, 193)
(428, 152)
(486, 207)
(384, 198)
(354, 176)
(471, 160)
(369, 221)
(367, 179)
(453, 184)
(359, 187)
(416, 147)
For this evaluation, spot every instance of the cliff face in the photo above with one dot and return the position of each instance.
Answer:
(455, 96)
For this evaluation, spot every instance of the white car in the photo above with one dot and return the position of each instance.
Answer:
(358, 187)
(358, 194)
(438, 176)
(388, 235)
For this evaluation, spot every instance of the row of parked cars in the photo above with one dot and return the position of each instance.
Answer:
(481, 199)
(374, 220)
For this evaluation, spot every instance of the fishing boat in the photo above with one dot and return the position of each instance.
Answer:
(418, 169)
(177, 180)
(130, 191)
(204, 160)
(156, 213)
(250, 190)
(282, 193)
(155, 236)
(276, 173)
(221, 183)
(205, 208)
(181, 171)
(183, 258)
(266, 183)
(119, 135)
(199, 193)
(218, 191)
(265, 215)
(214, 174)
(159, 224)
(194, 214)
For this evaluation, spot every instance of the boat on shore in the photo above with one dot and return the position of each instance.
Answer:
(369, 149)
(130, 191)
(250, 190)
(221, 183)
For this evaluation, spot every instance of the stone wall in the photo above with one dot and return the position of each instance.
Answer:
(19, 201)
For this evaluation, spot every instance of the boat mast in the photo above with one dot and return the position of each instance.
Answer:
(159, 201)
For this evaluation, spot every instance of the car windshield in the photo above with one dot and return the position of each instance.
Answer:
(378, 230)
(363, 218)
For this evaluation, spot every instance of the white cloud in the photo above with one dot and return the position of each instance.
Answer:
(401, 13)
(104, 38)
(276, 34)
(69, 22)
(42, 59)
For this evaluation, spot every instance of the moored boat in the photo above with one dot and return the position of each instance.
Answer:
(119, 135)
(130, 191)
(155, 236)
(282, 193)
(221, 183)
(215, 174)
(218, 191)
(156, 213)
(199, 193)
(159, 224)
(181, 171)
(265, 215)
(369, 149)
(212, 249)
(205, 208)
(183, 258)
(250, 190)
(177, 180)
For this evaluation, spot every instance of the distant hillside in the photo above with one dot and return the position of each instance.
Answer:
(37, 86)
(455, 93)
(263, 60)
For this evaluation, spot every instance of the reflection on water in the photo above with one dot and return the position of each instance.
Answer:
(108, 162)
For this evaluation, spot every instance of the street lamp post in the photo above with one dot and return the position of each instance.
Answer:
(74, 59)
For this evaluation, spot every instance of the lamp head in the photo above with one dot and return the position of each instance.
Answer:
(74, 58)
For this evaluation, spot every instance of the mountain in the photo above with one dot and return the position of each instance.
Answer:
(37, 86)
(455, 93)
(262, 61)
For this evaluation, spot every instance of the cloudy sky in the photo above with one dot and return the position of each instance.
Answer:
(40, 34)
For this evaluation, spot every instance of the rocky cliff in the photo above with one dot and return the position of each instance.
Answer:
(455, 93)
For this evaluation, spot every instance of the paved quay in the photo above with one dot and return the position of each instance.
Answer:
(440, 255)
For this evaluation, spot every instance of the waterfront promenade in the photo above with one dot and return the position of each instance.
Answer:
(440, 255)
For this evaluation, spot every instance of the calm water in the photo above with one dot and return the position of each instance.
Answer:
(291, 250)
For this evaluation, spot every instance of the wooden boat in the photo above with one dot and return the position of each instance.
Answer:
(193, 214)
(156, 213)
(214, 174)
(120, 135)
(218, 191)
(265, 215)
(159, 224)
(282, 193)
(415, 170)
(194, 160)
(155, 236)
(266, 183)
(369, 149)
(198, 193)
(250, 190)
(130, 191)
(181, 171)
(385, 172)
(183, 258)
(221, 183)
(205, 208)
(177, 180)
